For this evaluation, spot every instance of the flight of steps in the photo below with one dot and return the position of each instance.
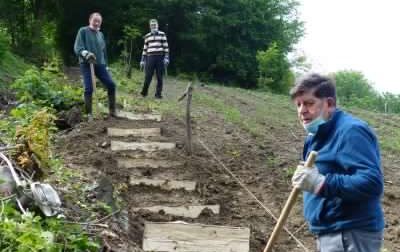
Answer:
(169, 236)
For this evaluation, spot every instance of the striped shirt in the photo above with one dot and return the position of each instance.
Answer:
(155, 44)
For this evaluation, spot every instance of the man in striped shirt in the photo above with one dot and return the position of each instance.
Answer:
(155, 56)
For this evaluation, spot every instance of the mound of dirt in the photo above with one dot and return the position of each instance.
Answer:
(69, 119)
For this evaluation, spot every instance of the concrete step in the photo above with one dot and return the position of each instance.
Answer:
(134, 146)
(127, 163)
(184, 237)
(182, 211)
(139, 117)
(165, 184)
(146, 132)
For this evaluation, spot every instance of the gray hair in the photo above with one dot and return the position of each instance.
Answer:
(320, 86)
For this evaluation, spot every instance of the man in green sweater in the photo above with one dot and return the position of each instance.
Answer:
(90, 47)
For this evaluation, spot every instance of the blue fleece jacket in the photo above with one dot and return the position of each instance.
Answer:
(348, 155)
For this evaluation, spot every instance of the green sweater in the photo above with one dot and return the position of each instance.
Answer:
(92, 41)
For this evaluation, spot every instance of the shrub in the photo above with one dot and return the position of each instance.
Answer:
(274, 70)
(27, 232)
(45, 89)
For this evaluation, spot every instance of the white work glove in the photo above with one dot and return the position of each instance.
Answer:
(84, 53)
(88, 56)
(308, 179)
(143, 61)
(166, 61)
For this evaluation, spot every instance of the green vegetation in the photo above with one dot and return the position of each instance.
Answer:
(30, 28)
(352, 85)
(236, 42)
(40, 94)
(36, 135)
(230, 114)
(274, 68)
(11, 67)
(354, 90)
(27, 232)
(33, 126)
(46, 89)
(4, 45)
(40, 30)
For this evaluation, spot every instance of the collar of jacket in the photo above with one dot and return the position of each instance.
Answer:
(326, 128)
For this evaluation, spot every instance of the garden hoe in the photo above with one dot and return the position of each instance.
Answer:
(288, 206)
(43, 195)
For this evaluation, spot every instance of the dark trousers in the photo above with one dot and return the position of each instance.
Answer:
(102, 74)
(154, 62)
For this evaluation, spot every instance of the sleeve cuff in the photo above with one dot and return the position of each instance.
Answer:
(320, 186)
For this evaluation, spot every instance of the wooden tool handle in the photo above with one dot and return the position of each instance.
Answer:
(92, 77)
(288, 206)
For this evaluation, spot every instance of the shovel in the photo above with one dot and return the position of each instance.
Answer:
(44, 196)
(288, 206)
(93, 77)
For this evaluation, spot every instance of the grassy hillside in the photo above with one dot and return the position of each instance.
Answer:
(255, 134)
(267, 124)
(11, 67)
(263, 115)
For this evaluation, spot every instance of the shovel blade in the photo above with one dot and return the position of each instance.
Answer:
(46, 198)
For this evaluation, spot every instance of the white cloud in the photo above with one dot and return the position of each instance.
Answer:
(354, 34)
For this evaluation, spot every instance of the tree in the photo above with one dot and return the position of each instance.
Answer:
(218, 38)
(229, 34)
(130, 34)
(352, 85)
(353, 89)
(27, 22)
(274, 70)
(390, 103)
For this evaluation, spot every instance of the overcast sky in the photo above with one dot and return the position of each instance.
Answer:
(362, 35)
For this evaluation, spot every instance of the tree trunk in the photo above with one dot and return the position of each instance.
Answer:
(129, 72)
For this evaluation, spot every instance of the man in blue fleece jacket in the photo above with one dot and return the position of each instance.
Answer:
(342, 192)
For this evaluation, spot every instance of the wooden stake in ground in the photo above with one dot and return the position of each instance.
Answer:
(188, 93)
(288, 206)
